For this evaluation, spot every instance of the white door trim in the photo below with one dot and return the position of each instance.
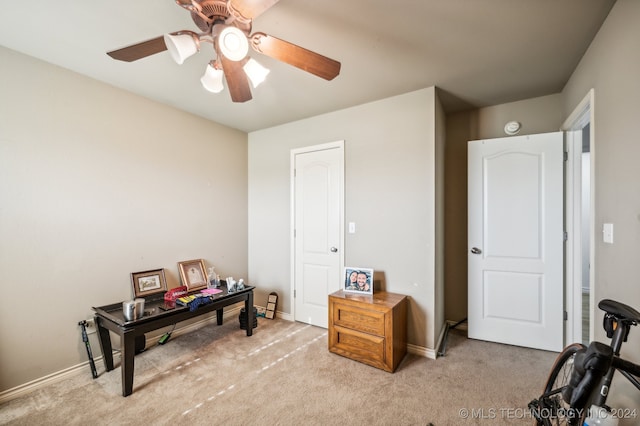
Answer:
(582, 115)
(292, 213)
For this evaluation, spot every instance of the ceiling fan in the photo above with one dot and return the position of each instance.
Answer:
(226, 24)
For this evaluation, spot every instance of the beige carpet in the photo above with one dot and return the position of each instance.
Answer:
(285, 375)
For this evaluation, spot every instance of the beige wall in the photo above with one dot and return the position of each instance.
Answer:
(82, 164)
(96, 183)
(537, 115)
(390, 179)
(611, 66)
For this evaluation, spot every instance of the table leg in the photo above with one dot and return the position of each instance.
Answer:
(105, 344)
(128, 353)
(248, 308)
(219, 315)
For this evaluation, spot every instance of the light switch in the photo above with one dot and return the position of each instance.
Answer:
(607, 233)
(352, 227)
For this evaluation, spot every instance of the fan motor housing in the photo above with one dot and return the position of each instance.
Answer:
(213, 9)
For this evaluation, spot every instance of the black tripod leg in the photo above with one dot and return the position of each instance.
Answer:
(85, 339)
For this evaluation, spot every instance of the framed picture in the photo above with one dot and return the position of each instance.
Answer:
(358, 280)
(146, 283)
(192, 274)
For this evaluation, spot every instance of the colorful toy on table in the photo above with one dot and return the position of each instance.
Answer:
(195, 300)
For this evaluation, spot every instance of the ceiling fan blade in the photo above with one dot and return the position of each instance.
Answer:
(236, 80)
(294, 55)
(250, 9)
(139, 50)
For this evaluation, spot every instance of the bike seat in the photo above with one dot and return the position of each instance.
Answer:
(621, 311)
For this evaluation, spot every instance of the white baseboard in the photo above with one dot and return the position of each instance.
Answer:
(26, 388)
(83, 367)
(284, 316)
(421, 351)
(433, 353)
(36, 384)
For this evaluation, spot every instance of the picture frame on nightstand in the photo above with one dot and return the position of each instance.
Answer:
(358, 280)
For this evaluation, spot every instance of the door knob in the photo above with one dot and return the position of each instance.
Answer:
(334, 249)
(476, 250)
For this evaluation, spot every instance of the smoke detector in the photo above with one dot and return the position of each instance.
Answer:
(512, 128)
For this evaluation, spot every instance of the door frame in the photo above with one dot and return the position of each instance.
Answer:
(292, 210)
(581, 116)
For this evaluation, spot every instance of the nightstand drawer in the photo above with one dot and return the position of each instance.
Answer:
(359, 346)
(357, 318)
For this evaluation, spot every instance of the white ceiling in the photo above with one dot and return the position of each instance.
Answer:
(479, 52)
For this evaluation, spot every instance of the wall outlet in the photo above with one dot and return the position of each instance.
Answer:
(90, 325)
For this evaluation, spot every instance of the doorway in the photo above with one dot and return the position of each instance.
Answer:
(579, 208)
(317, 229)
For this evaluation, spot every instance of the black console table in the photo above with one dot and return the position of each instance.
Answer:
(111, 318)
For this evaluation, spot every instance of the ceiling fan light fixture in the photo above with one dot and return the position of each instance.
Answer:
(256, 72)
(233, 43)
(212, 79)
(227, 25)
(181, 46)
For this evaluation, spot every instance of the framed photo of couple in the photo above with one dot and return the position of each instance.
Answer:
(358, 280)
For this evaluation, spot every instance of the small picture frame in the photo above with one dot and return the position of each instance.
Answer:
(358, 280)
(146, 283)
(192, 274)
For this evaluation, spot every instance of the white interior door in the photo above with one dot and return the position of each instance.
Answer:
(318, 225)
(515, 236)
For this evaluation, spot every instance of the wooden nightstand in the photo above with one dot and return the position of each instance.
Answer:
(369, 329)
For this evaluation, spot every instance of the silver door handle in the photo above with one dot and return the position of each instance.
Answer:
(334, 249)
(476, 250)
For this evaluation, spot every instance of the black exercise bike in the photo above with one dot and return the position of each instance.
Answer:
(581, 376)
